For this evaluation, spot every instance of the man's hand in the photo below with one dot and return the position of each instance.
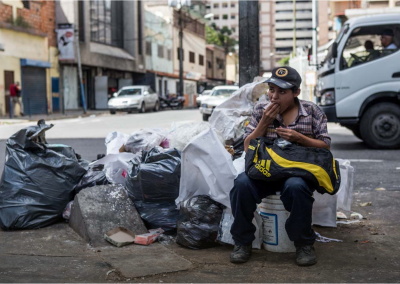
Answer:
(270, 114)
(289, 134)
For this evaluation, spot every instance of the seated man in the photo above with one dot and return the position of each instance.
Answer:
(300, 122)
(372, 53)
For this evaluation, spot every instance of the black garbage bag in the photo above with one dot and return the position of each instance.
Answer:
(37, 181)
(158, 215)
(198, 222)
(156, 178)
(238, 147)
(94, 176)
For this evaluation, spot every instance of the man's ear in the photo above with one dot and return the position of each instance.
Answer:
(297, 93)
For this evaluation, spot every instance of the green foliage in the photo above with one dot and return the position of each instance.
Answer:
(284, 61)
(212, 36)
(19, 22)
(220, 37)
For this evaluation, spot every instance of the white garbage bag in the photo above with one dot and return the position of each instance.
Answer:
(207, 169)
(240, 164)
(345, 193)
(145, 140)
(114, 141)
(230, 117)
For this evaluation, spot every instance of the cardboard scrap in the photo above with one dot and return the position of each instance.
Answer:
(149, 238)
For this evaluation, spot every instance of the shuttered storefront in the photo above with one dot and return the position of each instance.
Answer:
(34, 90)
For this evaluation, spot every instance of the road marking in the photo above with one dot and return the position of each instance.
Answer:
(398, 168)
(365, 161)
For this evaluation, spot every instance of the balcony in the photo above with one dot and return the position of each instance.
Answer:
(289, 34)
(289, 43)
(289, 25)
(289, 16)
(289, 6)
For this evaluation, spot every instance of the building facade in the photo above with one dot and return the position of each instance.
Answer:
(216, 66)
(110, 37)
(29, 56)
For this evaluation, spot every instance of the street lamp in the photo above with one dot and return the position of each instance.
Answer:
(209, 16)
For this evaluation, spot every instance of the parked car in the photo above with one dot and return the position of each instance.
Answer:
(132, 98)
(218, 95)
(204, 95)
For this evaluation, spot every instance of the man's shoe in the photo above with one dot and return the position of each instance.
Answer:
(240, 254)
(305, 256)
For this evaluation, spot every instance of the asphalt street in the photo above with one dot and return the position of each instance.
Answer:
(374, 168)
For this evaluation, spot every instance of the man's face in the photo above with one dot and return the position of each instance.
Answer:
(386, 40)
(283, 97)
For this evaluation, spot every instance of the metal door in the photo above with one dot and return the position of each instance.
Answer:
(33, 89)
(100, 90)
(8, 80)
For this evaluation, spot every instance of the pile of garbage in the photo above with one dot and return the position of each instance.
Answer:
(179, 179)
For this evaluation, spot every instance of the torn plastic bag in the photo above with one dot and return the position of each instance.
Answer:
(156, 178)
(38, 180)
(207, 169)
(198, 222)
(238, 146)
(181, 135)
(230, 118)
(324, 210)
(67, 211)
(94, 176)
(144, 140)
(345, 193)
(116, 166)
(158, 215)
(114, 141)
(224, 232)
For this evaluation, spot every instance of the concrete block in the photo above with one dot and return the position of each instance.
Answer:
(98, 209)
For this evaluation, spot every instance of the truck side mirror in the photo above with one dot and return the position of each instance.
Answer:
(334, 50)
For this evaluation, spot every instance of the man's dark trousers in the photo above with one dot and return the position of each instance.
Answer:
(297, 198)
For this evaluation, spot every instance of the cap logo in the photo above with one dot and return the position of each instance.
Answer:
(281, 72)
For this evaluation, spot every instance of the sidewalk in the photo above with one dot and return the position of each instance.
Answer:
(368, 253)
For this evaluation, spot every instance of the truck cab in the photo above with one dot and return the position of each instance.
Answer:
(359, 80)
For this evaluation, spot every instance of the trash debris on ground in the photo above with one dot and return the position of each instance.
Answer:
(224, 232)
(198, 222)
(341, 215)
(149, 238)
(94, 176)
(231, 117)
(207, 169)
(67, 211)
(110, 271)
(162, 215)
(165, 239)
(156, 178)
(120, 236)
(365, 242)
(145, 140)
(33, 190)
(356, 215)
(230, 149)
(380, 189)
(347, 222)
(323, 239)
(364, 204)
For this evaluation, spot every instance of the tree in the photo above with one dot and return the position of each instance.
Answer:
(220, 37)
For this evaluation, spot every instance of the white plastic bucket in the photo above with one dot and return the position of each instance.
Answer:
(274, 217)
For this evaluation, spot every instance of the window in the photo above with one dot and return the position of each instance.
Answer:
(160, 51)
(216, 17)
(209, 64)
(233, 17)
(201, 60)
(26, 4)
(191, 57)
(216, 5)
(233, 30)
(225, 17)
(366, 44)
(148, 48)
(183, 53)
(233, 5)
(224, 5)
(106, 24)
(220, 63)
(169, 54)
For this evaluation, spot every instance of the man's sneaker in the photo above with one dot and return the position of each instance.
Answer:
(305, 256)
(240, 254)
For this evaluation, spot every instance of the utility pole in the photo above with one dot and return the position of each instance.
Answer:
(180, 51)
(294, 28)
(249, 41)
(314, 33)
(80, 71)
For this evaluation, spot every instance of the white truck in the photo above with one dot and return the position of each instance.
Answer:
(359, 80)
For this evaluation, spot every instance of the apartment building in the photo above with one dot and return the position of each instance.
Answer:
(29, 54)
(216, 66)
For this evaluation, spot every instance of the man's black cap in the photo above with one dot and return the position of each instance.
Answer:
(388, 32)
(285, 77)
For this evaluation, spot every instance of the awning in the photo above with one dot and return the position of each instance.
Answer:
(35, 63)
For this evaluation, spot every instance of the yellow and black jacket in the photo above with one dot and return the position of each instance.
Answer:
(272, 161)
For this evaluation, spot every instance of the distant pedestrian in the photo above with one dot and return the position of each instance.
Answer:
(15, 97)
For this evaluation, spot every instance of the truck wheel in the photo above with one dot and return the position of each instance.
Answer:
(206, 117)
(380, 126)
(142, 108)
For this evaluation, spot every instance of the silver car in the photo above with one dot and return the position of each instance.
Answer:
(132, 98)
